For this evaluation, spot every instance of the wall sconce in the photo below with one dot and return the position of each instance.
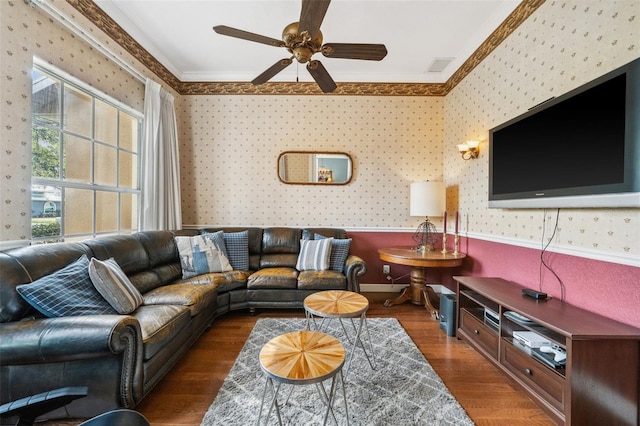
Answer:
(469, 149)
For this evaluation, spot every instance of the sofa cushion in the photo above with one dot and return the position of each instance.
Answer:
(273, 278)
(237, 245)
(284, 260)
(322, 280)
(339, 252)
(222, 281)
(193, 296)
(164, 260)
(66, 292)
(159, 325)
(199, 254)
(114, 285)
(127, 250)
(314, 255)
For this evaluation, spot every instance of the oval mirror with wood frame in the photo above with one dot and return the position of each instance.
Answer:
(315, 168)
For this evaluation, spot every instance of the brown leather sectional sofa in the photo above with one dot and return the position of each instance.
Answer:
(122, 357)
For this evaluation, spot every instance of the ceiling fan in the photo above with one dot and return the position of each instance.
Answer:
(303, 39)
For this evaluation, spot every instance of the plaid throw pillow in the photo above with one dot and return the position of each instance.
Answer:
(339, 252)
(67, 292)
(238, 249)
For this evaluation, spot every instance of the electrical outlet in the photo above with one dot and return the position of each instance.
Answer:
(386, 269)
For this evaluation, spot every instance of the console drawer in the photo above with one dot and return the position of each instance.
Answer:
(482, 334)
(542, 379)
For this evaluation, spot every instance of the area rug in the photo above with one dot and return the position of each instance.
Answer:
(403, 390)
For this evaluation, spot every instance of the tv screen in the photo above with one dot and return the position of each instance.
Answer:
(578, 150)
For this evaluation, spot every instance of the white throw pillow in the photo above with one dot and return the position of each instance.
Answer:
(314, 255)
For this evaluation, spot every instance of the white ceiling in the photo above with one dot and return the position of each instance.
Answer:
(416, 33)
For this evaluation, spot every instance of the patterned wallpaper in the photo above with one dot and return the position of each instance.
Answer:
(230, 146)
(563, 45)
(28, 32)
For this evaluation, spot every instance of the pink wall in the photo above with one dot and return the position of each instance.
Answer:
(609, 289)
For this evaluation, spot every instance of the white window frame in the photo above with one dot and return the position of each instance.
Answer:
(68, 80)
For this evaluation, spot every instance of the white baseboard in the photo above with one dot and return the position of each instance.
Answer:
(390, 288)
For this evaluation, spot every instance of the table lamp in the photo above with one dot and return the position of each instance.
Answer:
(426, 199)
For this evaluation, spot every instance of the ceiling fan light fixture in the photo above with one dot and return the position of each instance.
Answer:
(302, 54)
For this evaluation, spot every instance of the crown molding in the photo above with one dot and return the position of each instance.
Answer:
(352, 89)
(105, 23)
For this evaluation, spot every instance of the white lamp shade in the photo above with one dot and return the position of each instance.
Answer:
(427, 199)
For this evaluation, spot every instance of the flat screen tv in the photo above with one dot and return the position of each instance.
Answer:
(581, 149)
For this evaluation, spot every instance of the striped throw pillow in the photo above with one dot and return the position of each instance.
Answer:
(314, 255)
(114, 285)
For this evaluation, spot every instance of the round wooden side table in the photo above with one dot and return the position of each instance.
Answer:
(418, 292)
(303, 358)
(341, 304)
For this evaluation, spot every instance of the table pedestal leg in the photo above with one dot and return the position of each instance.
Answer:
(418, 293)
(431, 302)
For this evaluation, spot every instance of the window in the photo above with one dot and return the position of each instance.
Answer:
(85, 162)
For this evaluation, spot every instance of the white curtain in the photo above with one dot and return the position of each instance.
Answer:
(160, 185)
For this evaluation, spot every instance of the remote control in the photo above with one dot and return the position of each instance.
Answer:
(538, 295)
(516, 316)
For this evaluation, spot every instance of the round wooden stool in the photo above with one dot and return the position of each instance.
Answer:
(341, 304)
(302, 358)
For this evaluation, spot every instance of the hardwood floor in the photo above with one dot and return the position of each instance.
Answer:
(488, 395)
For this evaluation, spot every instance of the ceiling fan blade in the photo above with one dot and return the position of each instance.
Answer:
(246, 35)
(311, 16)
(272, 71)
(321, 76)
(369, 52)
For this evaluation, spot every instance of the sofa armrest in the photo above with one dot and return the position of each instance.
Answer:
(353, 268)
(68, 339)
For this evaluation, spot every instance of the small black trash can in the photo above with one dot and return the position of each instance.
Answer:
(448, 313)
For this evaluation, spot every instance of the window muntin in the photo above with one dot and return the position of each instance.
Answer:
(85, 158)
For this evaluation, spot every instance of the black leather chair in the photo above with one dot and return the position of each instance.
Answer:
(28, 409)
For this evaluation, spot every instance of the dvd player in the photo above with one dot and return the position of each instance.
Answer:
(530, 339)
